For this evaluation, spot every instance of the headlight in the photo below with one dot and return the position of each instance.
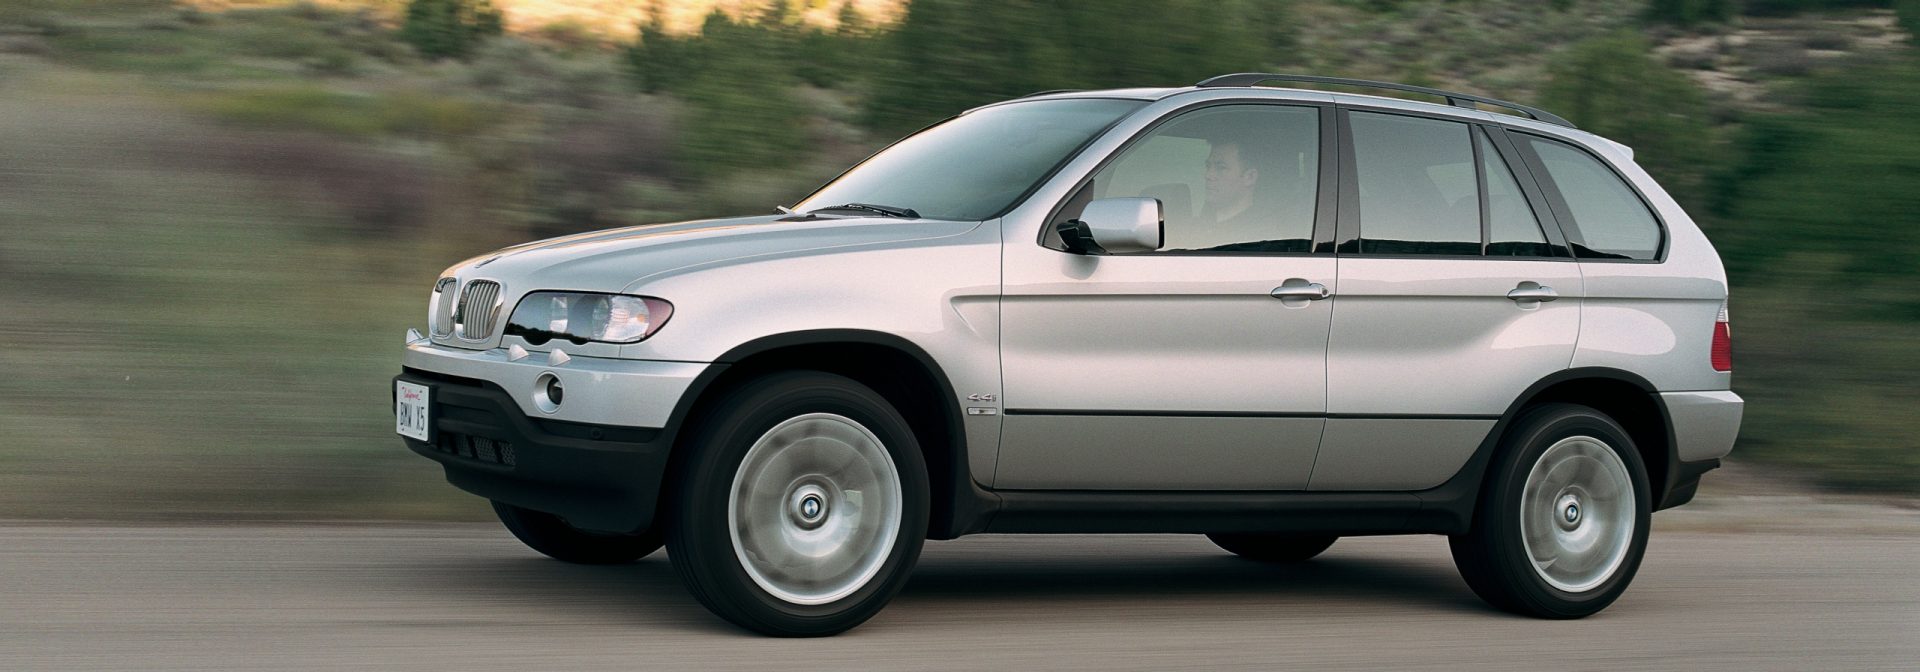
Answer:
(580, 317)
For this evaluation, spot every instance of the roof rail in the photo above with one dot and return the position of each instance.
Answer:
(1051, 92)
(1454, 98)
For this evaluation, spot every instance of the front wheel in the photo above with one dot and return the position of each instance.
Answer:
(552, 536)
(801, 507)
(1563, 521)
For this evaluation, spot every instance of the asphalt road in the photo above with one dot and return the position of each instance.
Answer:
(468, 597)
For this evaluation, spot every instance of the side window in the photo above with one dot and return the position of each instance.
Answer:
(1609, 219)
(1418, 186)
(1231, 178)
(1512, 229)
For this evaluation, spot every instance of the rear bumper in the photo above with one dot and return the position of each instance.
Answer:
(1705, 425)
(598, 477)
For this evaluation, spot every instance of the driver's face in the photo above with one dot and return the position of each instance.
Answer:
(1227, 179)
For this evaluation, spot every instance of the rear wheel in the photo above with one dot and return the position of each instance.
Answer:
(1563, 522)
(801, 507)
(552, 536)
(1274, 547)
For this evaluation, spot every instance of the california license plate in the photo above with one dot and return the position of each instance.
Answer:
(410, 417)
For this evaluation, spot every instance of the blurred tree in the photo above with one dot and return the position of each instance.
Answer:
(1909, 18)
(657, 60)
(949, 55)
(741, 109)
(1613, 86)
(834, 57)
(449, 28)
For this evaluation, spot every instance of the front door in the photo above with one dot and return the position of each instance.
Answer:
(1198, 366)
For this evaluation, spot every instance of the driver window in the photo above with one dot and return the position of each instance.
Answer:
(1231, 178)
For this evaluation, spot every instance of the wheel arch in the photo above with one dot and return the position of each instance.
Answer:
(1630, 400)
(901, 371)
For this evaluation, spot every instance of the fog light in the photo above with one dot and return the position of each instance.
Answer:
(548, 392)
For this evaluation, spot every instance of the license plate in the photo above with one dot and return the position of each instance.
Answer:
(410, 410)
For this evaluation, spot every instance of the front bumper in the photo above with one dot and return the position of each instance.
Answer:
(600, 391)
(598, 477)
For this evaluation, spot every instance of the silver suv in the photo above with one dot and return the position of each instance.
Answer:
(1272, 316)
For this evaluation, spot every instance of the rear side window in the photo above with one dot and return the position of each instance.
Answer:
(1609, 219)
(1512, 229)
(1418, 187)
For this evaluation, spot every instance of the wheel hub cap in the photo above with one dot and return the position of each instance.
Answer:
(809, 506)
(814, 509)
(1569, 512)
(1577, 514)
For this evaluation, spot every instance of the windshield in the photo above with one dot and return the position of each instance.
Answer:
(976, 165)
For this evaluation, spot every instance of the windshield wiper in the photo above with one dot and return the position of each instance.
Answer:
(883, 210)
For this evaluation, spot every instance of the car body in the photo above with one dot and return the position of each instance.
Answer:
(1313, 387)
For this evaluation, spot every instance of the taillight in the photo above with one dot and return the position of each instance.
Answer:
(1722, 342)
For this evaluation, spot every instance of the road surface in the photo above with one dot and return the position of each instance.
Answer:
(468, 597)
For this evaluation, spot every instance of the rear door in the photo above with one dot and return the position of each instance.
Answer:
(1456, 294)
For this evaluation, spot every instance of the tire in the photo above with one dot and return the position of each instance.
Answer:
(1277, 548)
(552, 536)
(1568, 471)
(857, 527)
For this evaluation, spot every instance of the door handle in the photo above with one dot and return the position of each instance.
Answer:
(1533, 291)
(1311, 291)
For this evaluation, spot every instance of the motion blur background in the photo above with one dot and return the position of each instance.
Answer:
(217, 217)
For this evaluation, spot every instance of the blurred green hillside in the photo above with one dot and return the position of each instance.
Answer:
(220, 217)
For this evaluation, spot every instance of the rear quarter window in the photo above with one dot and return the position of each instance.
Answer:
(1609, 220)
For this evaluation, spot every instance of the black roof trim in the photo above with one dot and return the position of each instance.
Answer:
(1454, 98)
(1049, 92)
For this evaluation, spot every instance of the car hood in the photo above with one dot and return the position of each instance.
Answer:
(608, 261)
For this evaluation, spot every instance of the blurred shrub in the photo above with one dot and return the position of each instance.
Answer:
(370, 192)
(1910, 19)
(585, 169)
(356, 114)
(1831, 179)
(1827, 39)
(33, 45)
(449, 28)
(47, 24)
(1690, 12)
(1790, 7)
(1613, 86)
(333, 63)
(1693, 60)
(522, 72)
(1819, 199)
(1777, 58)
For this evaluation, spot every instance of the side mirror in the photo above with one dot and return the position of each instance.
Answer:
(1116, 226)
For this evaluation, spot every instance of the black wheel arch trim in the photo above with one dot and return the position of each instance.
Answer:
(969, 503)
(1681, 477)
